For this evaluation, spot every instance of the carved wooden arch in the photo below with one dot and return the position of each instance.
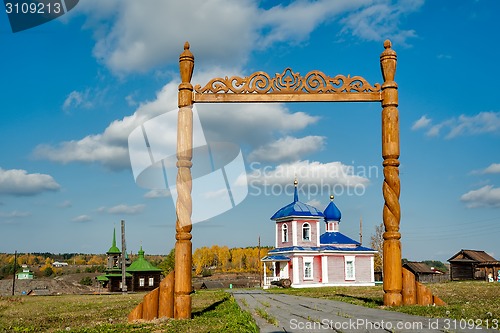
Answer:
(288, 86)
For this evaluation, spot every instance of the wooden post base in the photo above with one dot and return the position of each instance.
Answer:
(159, 303)
(415, 292)
(392, 299)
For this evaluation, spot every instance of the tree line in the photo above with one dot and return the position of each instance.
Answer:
(223, 259)
(205, 259)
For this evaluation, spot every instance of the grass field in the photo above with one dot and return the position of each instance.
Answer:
(475, 300)
(216, 311)
(213, 311)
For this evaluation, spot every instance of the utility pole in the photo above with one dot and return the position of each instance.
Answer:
(360, 230)
(14, 278)
(124, 254)
(258, 265)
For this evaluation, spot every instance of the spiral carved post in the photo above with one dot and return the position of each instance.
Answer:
(391, 188)
(183, 245)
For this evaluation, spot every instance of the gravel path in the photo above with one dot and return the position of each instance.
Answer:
(285, 313)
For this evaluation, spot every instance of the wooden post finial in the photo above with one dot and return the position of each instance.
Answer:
(388, 60)
(186, 67)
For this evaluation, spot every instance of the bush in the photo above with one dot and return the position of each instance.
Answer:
(206, 273)
(48, 271)
(86, 281)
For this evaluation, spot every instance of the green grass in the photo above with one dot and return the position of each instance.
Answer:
(476, 300)
(213, 311)
(263, 314)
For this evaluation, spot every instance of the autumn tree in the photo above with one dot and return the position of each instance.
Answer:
(168, 264)
(202, 259)
(96, 260)
(223, 257)
(377, 243)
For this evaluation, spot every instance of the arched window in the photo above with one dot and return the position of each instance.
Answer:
(284, 233)
(306, 232)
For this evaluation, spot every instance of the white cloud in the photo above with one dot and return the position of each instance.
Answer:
(86, 99)
(21, 183)
(486, 196)
(308, 172)
(287, 148)
(492, 168)
(316, 180)
(15, 214)
(422, 122)
(252, 124)
(157, 194)
(81, 219)
(434, 130)
(131, 36)
(65, 204)
(141, 36)
(123, 209)
(315, 203)
(110, 147)
(481, 123)
(280, 22)
(484, 122)
(74, 99)
(380, 20)
(92, 148)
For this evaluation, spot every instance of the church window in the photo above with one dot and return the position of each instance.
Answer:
(306, 232)
(350, 271)
(308, 268)
(284, 235)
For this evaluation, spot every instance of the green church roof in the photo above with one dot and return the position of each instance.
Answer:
(113, 249)
(142, 265)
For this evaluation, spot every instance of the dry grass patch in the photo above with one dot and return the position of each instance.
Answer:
(213, 311)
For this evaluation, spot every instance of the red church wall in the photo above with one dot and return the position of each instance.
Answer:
(363, 269)
(336, 269)
(317, 269)
(313, 233)
(280, 234)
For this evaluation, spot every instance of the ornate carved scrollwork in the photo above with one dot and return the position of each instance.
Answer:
(288, 82)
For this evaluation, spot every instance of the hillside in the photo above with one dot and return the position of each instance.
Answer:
(64, 284)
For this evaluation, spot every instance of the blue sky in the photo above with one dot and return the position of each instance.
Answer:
(72, 90)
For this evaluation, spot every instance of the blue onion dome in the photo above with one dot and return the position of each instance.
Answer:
(296, 208)
(332, 213)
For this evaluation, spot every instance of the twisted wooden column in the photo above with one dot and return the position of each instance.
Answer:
(391, 188)
(183, 245)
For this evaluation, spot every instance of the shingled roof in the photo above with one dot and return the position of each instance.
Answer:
(418, 267)
(472, 256)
